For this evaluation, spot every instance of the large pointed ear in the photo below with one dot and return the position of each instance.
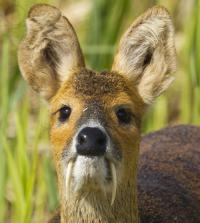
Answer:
(50, 50)
(146, 53)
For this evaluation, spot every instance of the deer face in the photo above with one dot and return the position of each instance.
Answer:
(95, 117)
(95, 129)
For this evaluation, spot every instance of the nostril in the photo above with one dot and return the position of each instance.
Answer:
(82, 139)
(101, 141)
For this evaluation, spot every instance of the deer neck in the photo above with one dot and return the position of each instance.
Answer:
(96, 207)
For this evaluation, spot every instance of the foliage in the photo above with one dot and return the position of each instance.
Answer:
(27, 177)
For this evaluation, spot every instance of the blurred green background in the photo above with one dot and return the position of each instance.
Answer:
(28, 190)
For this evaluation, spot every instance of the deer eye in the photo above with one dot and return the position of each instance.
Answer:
(64, 113)
(124, 115)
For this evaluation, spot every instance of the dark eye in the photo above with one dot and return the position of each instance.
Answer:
(124, 116)
(64, 113)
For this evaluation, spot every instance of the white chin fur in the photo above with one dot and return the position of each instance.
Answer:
(87, 174)
(89, 171)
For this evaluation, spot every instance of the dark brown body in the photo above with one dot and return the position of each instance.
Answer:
(169, 176)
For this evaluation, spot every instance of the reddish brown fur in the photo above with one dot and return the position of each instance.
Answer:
(110, 90)
(168, 177)
(169, 173)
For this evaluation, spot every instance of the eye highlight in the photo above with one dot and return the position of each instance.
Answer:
(124, 116)
(64, 113)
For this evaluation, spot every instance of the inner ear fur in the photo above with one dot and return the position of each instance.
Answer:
(50, 50)
(146, 53)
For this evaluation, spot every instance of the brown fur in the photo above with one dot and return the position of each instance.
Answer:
(169, 173)
(50, 50)
(168, 176)
(83, 90)
(51, 61)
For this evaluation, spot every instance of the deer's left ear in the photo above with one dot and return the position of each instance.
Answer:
(146, 53)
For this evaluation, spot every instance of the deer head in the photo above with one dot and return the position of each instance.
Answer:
(96, 117)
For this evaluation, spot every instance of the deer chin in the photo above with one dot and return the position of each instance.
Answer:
(91, 174)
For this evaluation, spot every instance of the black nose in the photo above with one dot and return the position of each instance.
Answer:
(91, 142)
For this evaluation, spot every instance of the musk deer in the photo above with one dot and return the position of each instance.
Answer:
(96, 119)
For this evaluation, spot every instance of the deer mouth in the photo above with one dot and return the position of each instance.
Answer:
(89, 174)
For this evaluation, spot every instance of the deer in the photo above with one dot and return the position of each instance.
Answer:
(107, 171)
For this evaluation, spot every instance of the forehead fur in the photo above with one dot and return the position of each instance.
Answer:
(90, 83)
(89, 87)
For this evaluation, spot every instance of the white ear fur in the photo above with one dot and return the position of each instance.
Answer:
(146, 53)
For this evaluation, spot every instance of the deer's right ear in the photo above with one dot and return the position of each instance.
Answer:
(50, 50)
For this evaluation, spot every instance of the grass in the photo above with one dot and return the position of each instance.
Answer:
(27, 177)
